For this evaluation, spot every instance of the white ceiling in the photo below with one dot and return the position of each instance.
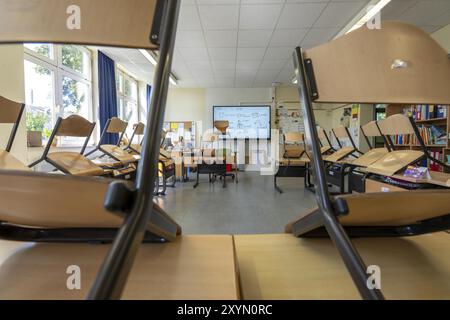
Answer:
(249, 43)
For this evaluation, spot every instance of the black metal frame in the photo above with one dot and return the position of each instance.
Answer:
(167, 172)
(424, 146)
(116, 267)
(15, 127)
(49, 145)
(98, 147)
(362, 176)
(130, 144)
(336, 172)
(328, 141)
(327, 214)
(356, 179)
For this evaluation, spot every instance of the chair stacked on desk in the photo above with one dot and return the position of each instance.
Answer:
(346, 240)
(166, 164)
(295, 160)
(11, 113)
(113, 156)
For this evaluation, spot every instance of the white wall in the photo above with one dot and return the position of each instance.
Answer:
(12, 87)
(443, 37)
(184, 104)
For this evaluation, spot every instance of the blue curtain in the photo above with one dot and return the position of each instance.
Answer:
(107, 95)
(149, 98)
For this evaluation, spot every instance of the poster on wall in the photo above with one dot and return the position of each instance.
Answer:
(289, 118)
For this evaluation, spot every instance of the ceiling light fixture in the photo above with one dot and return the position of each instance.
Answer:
(148, 56)
(152, 59)
(371, 12)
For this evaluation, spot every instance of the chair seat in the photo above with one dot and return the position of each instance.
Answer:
(37, 200)
(391, 208)
(284, 267)
(339, 154)
(75, 164)
(190, 268)
(295, 162)
(394, 161)
(118, 153)
(9, 162)
(368, 158)
(325, 149)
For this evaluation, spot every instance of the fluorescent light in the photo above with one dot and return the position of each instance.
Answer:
(173, 80)
(153, 61)
(149, 57)
(374, 10)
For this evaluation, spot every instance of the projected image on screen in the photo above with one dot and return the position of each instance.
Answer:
(246, 122)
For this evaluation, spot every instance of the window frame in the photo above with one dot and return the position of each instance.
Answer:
(60, 71)
(121, 92)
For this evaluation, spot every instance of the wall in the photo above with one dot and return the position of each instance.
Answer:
(443, 37)
(231, 97)
(12, 87)
(185, 104)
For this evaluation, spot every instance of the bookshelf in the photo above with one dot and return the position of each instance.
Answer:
(433, 122)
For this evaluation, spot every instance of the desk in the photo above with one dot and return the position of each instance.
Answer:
(190, 268)
(293, 168)
(281, 266)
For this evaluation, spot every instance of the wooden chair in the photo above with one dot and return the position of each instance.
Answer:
(371, 76)
(114, 126)
(295, 160)
(222, 126)
(166, 165)
(138, 130)
(342, 134)
(128, 207)
(11, 113)
(68, 162)
(323, 136)
(356, 177)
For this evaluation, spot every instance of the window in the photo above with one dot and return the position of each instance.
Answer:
(57, 84)
(127, 99)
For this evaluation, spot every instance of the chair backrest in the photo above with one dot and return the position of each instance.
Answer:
(72, 126)
(341, 133)
(79, 22)
(138, 129)
(322, 134)
(383, 68)
(395, 125)
(115, 125)
(371, 129)
(293, 137)
(11, 112)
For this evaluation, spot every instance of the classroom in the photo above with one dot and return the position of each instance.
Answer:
(224, 150)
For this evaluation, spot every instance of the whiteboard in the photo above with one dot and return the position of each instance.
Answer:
(246, 122)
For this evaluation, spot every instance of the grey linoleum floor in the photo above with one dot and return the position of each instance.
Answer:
(249, 207)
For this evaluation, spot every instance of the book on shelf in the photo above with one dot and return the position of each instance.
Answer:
(431, 136)
(426, 111)
(434, 166)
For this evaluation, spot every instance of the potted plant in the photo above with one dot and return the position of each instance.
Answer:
(35, 126)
